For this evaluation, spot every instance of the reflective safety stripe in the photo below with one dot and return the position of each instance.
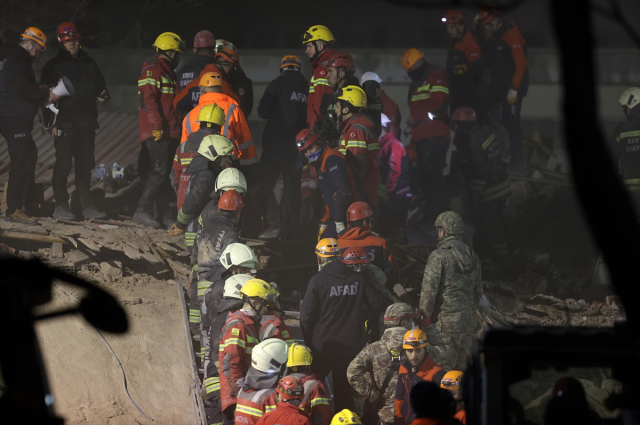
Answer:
(184, 218)
(175, 157)
(194, 316)
(627, 134)
(168, 90)
(187, 126)
(227, 120)
(245, 145)
(373, 146)
(249, 410)
(319, 400)
(424, 88)
(441, 89)
(382, 190)
(488, 142)
(417, 97)
(185, 161)
(631, 182)
(203, 285)
(356, 144)
(477, 185)
(200, 222)
(248, 161)
(495, 192)
(150, 81)
(319, 82)
(268, 409)
(212, 384)
(233, 341)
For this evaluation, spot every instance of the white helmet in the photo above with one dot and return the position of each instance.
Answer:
(630, 97)
(238, 254)
(233, 285)
(368, 76)
(384, 120)
(270, 356)
(231, 178)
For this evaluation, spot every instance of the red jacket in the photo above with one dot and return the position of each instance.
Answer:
(274, 327)
(431, 94)
(429, 421)
(315, 397)
(515, 41)
(407, 379)
(376, 246)
(156, 91)
(394, 167)
(285, 414)
(252, 404)
(318, 86)
(392, 111)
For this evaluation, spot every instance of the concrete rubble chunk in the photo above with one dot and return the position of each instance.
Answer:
(111, 270)
(528, 284)
(92, 245)
(77, 257)
(544, 300)
(56, 250)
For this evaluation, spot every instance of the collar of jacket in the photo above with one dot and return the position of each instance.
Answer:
(449, 238)
(199, 58)
(386, 139)
(424, 367)
(357, 118)
(354, 233)
(229, 304)
(212, 97)
(64, 54)
(335, 266)
(283, 405)
(256, 380)
(163, 62)
(322, 57)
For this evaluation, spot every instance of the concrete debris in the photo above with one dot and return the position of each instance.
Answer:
(56, 251)
(77, 257)
(111, 270)
(529, 284)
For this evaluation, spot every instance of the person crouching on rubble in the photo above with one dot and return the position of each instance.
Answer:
(290, 396)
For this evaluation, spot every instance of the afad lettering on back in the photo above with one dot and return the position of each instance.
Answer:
(339, 290)
(299, 96)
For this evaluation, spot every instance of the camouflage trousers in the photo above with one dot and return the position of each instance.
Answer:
(457, 330)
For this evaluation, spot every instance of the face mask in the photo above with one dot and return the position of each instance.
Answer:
(418, 73)
(314, 156)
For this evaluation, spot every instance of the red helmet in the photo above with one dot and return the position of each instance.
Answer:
(204, 39)
(358, 211)
(487, 12)
(229, 55)
(305, 138)
(568, 387)
(453, 16)
(231, 201)
(67, 31)
(355, 255)
(342, 59)
(290, 388)
(463, 113)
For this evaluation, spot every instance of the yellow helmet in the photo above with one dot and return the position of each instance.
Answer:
(410, 57)
(170, 41)
(299, 355)
(354, 95)
(345, 417)
(317, 32)
(211, 79)
(258, 288)
(214, 146)
(415, 338)
(328, 247)
(211, 114)
(452, 380)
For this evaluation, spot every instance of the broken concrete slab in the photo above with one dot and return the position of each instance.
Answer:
(544, 300)
(77, 257)
(111, 270)
(92, 245)
(56, 251)
(529, 284)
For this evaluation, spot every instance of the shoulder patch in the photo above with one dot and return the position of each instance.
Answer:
(149, 73)
(235, 331)
(323, 72)
(285, 334)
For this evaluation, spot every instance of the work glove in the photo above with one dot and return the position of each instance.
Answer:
(157, 135)
(175, 230)
(512, 97)
(339, 226)
(321, 230)
(425, 320)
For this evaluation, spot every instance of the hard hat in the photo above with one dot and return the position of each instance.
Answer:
(228, 55)
(36, 35)
(453, 16)
(397, 312)
(568, 387)
(354, 95)
(215, 145)
(231, 201)
(238, 254)
(211, 114)
(225, 44)
(452, 380)
(290, 388)
(340, 60)
(290, 60)
(317, 32)
(355, 255)
(233, 284)
(305, 138)
(451, 222)
(630, 97)
(384, 120)
(170, 41)
(231, 178)
(415, 338)
(258, 288)
(410, 57)
(345, 417)
(299, 355)
(270, 356)
(211, 79)
(67, 31)
(485, 13)
(358, 211)
(368, 76)
(375, 275)
(463, 113)
(204, 39)
(328, 247)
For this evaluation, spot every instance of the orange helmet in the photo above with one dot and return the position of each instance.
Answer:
(328, 247)
(67, 31)
(355, 255)
(204, 39)
(410, 57)
(487, 12)
(290, 60)
(290, 388)
(453, 16)
(36, 35)
(228, 55)
(415, 338)
(305, 138)
(211, 79)
(463, 113)
(358, 211)
(231, 201)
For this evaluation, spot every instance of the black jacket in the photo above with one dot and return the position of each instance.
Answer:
(243, 87)
(284, 106)
(88, 82)
(211, 241)
(20, 96)
(192, 69)
(625, 142)
(336, 305)
(200, 189)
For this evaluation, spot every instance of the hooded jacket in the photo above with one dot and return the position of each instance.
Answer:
(20, 95)
(376, 246)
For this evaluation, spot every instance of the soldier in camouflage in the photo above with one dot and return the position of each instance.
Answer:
(451, 290)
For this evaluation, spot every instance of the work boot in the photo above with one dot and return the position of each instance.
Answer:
(270, 233)
(92, 212)
(144, 218)
(64, 212)
(20, 217)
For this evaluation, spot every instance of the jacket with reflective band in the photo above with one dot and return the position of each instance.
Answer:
(237, 340)
(337, 184)
(625, 143)
(463, 65)
(430, 94)
(316, 398)
(212, 348)
(394, 168)
(285, 414)
(211, 241)
(392, 111)
(253, 404)
(156, 92)
(274, 327)
(183, 157)
(511, 36)
(318, 87)
(376, 246)
(188, 98)
(407, 379)
(191, 70)
(359, 143)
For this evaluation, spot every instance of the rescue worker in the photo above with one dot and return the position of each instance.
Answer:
(505, 78)
(257, 395)
(345, 417)
(389, 108)
(451, 289)
(332, 317)
(290, 394)
(241, 84)
(284, 106)
(20, 97)
(488, 185)
(428, 107)
(238, 338)
(159, 129)
(272, 326)
(317, 41)
(452, 382)
(204, 47)
(74, 132)
(394, 175)
(417, 367)
(340, 70)
(625, 142)
(316, 398)
(463, 62)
